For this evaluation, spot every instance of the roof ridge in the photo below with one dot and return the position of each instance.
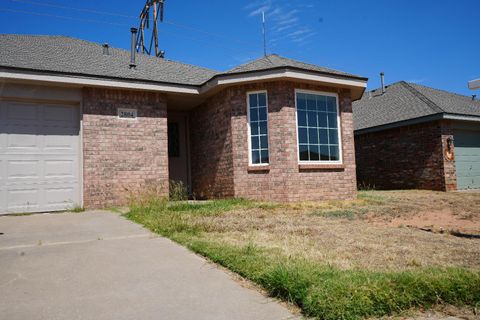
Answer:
(432, 105)
(442, 90)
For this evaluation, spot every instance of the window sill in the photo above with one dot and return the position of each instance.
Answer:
(321, 167)
(254, 169)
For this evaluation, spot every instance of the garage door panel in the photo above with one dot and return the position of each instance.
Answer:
(23, 198)
(60, 197)
(27, 140)
(39, 157)
(55, 169)
(60, 116)
(467, 150)
(23, 169)
(61, 142)
(21, 112)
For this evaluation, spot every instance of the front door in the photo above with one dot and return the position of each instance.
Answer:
(178, 165)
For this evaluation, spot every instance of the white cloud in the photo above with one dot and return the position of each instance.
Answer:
(284, 21)
(258, 11)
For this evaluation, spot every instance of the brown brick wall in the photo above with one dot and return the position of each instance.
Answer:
(284, 181)
(410, 157)
(211, 148)
(122, 156)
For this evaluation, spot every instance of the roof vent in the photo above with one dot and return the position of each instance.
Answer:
(474, 96)
(382, 79)
(133, 49)
(106, 49)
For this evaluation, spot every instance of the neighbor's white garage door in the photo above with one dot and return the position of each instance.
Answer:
(39, 157)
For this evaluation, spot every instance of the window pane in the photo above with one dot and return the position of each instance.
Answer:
(314, 153)
(322, 119)
(312, 119)
(255, 157)
(302, 135)
(333, 136)
(254, 128)
(332, 120)
(263, 127)
(262, 99)
(255, 143)
(301, 101)
(262, 111)
(322, 103)
(311, 102)
(264, 155)
(302, 119)
(334, 153)
(323, 136)
(263, 142)
(253, 101)
(313, 136)
(331, 104)
(258, 111)
(303, 151)
(253, 114)
(318, 127)
(324, 153)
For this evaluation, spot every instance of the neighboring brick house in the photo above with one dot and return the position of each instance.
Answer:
(409, 136)
(78, 126)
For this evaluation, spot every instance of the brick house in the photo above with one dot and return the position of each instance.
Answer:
(409, 136)
(79, 126)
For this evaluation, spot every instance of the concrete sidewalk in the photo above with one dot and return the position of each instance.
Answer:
(97, 265)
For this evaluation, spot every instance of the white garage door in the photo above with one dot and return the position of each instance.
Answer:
(39, 157)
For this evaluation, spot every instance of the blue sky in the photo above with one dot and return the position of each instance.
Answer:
(430, 42)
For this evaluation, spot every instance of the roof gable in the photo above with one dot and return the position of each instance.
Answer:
(275, 61)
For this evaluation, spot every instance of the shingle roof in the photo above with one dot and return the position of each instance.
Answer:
(274, 61)
(79, 57)
(406, 101)
(69, 55)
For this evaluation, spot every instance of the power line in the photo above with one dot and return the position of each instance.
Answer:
(64, 17)
(178, 25)
(117, 25)
(51, 5)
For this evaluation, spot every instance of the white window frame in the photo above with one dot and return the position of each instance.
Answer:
(340, 142)
(250, 130)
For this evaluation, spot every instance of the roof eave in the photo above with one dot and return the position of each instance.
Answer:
(76, 79)
(356, 84)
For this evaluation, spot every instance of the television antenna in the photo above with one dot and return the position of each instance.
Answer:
(152, 13)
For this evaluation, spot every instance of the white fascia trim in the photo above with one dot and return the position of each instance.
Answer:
(96, 82)
(474, 84)
(279, 74)
(461, 118)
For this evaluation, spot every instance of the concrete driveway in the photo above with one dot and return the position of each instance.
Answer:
(97, 265)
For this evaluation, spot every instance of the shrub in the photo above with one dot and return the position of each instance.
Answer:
(178, 191)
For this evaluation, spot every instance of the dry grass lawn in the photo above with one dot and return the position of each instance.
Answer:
(361, 233)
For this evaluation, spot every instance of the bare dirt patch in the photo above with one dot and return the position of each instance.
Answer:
(435, 211)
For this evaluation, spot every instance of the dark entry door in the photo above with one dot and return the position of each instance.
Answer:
(178, 149)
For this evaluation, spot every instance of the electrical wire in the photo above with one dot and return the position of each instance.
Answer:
(209, 43)
(178, 25)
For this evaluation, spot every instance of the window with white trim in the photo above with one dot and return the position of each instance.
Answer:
(318, 127)
(258, 128)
